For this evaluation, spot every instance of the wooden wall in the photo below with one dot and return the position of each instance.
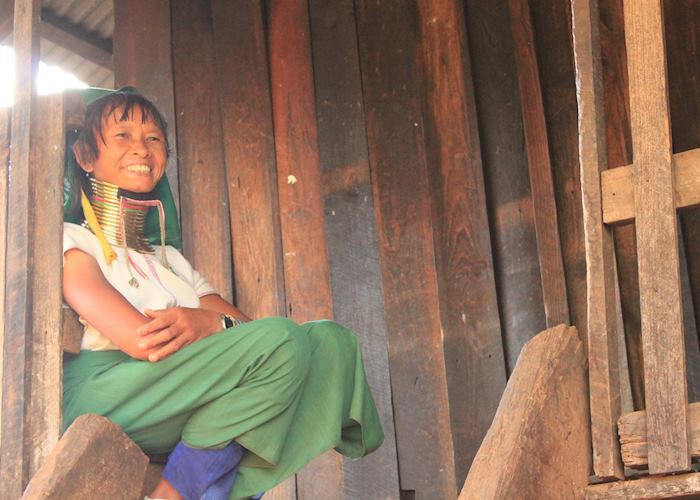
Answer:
(411, 169)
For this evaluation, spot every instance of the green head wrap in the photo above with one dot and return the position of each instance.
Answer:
(162, 191)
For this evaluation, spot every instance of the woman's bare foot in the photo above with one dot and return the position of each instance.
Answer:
(164, 490)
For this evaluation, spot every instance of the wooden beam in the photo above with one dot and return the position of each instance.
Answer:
(538, 444)
(618, 187)
(147, 24)
(388, 38)
(203, 199)
(635, 444)
(5, 128)
(647, 488)
(76, 39)
(249, 151)
(474, 358)
(619, 149)
(17, 350)
(501, 133)
(602, 340)
(308, 293)
(351, 236)
(657, 241)
(556, 306)
(555, 57)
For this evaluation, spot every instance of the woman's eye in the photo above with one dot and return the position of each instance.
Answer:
(120, 134)
(153, 139)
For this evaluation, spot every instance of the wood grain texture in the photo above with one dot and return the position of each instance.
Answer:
(251, 178)
(510, 204)
(538, 445)
(48, 151)
(618, 187)
(143, 58)
(552, 27)
(682, 23)
(647, 488)
(388, 40)
(657, 241)
(633, 436)
(556, 306)
(307, 282)
(17, 350)
(602, 321)
(5, 127)
(203, 200)
(474, 360)
(351, 237)
(619, 148)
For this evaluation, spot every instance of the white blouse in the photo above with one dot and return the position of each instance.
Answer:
(159, 287)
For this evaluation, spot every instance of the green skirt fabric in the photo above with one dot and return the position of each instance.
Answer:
(285, 392)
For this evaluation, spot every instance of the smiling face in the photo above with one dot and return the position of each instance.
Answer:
(131, 152)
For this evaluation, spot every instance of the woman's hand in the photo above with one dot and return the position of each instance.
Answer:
(174, 328)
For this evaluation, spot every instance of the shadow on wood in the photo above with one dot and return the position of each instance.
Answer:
(541, 429)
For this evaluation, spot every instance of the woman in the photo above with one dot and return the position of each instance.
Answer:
(239, 404)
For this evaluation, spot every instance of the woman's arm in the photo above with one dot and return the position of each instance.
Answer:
(87, 291)
(214, 302)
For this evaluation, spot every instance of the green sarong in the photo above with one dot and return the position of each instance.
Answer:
(285, 392)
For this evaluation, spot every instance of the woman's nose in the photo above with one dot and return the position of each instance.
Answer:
(139, 147)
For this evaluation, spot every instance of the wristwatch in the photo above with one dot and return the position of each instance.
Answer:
(228, 321)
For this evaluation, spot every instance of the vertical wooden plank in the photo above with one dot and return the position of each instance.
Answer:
(203, 202)
(351, 238)
(505, 173)
(619, 147)
(556, 307)
(682, 23)
(5, 125)
(602, 340)
(552, 27)
(142, 53)
(48, 153)
(657, 241)
(308, 294)
(387, 45)
(17, 349)
(249, 151)
(474, 361)
(690, 330)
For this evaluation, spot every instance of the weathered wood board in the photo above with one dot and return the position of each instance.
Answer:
(657, 241)
(17, 348)
(351, 238)
(474, 360)
(602, 318)
(648, 488)
(5, 126)
(388, 40)
(203, 200)
(510, 204)
(556, 306)
(539, 443)
(633, 436)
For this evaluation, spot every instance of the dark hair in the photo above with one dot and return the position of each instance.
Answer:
(121, 104)
(125, 103)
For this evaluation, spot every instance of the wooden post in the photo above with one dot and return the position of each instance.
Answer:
(143, 58)
(17, 319)
(556, 307)
(388, 42)
(474, 360)
(203, 202)
(308, 293)
(619, 148)
(249, 151)
(602, 340)
(351, 238)
(501, 133)
(5, 126)
(657, 241)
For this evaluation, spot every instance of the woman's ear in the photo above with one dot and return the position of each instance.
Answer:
(87, 166)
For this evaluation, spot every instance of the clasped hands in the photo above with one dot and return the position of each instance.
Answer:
(173, 328)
